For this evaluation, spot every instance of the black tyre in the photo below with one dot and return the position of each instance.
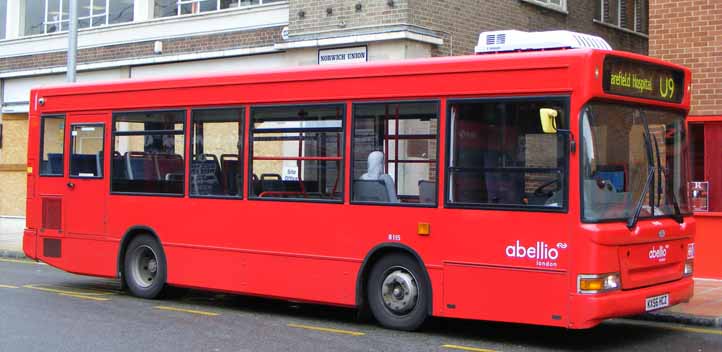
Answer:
(398, 292)
(145, 267)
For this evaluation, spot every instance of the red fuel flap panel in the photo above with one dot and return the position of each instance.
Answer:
(651, 263)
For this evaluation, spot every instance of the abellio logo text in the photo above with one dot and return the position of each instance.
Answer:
(540, 251)
(658, 253)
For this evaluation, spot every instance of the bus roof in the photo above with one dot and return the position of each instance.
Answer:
(539, 59)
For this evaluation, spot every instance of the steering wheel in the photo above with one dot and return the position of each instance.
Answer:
(542, 192)
(605, 185)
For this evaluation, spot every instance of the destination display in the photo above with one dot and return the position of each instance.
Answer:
(642, 80)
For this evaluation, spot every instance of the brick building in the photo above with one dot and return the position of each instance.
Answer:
(690, 33)
(135, 39)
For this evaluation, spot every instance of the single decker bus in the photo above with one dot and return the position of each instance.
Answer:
(541, 181)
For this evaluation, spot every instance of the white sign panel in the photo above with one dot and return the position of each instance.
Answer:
(343, 55)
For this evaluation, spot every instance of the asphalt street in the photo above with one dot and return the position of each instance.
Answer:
(44, 309)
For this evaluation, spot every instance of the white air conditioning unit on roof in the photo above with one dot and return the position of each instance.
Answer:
(513, 40)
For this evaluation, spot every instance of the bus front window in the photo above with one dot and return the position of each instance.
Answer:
(634, 163)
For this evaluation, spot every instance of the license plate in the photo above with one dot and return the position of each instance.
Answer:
(657, 302)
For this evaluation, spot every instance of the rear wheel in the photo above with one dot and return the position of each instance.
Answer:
(397, 292)
(145, 267)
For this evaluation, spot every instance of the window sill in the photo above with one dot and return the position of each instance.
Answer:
(609, 25)
(547, 6)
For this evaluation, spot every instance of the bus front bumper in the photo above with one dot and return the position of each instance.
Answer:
(588, 310)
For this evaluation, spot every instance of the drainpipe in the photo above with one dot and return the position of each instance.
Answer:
(72, 41)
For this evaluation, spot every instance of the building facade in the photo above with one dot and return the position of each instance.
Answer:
(690, 33)
(136, 39)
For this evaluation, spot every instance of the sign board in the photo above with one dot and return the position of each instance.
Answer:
(336, 56)
(642, 80)
(290, 173)
(699, 195)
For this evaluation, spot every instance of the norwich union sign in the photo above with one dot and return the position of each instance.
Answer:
(342, 55)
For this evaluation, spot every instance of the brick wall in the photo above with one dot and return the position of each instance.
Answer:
(689, 32)
(188, 45)
(457, 21)
(465, 19)
(344, 14)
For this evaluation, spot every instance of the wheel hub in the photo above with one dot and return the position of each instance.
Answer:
(144, 266)
(399, 291)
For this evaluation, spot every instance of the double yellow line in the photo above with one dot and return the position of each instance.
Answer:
(91, 295)
(19, 261)
(184, 310)
(322, 329)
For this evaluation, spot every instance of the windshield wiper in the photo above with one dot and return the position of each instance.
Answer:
(632, 221)
(677, 215)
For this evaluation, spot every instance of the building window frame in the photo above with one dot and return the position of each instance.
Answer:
(61, 24)
(195, 6)
(556, 5)
(639, 15)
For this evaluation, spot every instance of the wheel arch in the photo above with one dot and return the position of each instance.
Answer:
(373, 256)
(130, 234)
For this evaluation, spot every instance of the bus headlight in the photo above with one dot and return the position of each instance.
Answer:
(596, 283)
(688, 268)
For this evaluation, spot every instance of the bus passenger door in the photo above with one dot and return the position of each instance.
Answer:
(86, 177)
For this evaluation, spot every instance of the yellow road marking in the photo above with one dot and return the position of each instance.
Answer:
(68, 292)
(673, 327)
(318, 328)
(85, 297)
(8, 286)
(21, 261)
(466, 348)
(183, 310)
(87, 291)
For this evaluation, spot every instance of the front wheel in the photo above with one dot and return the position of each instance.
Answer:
(397, 292)
(145, 267)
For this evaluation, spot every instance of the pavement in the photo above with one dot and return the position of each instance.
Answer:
(11, 237)
(705, 308)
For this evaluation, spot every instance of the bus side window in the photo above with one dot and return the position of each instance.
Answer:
(52, 151)
(499, 156)
(148, 152)
(217, 153)
(86, 156)
(297, 151)
(402, 136)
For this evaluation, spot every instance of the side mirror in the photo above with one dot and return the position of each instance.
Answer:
(548, 119)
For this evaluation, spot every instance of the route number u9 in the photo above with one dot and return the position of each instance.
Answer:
(666, 87)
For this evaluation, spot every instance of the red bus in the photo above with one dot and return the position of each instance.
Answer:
(538, 186)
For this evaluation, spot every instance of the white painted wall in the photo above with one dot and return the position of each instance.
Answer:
(142, 10)
(17, 90)
(15, 18)
(234, 64)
